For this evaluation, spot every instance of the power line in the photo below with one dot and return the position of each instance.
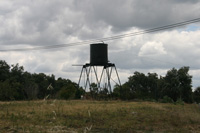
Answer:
(107, 38)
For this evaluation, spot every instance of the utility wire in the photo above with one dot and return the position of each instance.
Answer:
(107, 38)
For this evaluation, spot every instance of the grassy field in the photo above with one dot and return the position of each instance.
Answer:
(97, 116)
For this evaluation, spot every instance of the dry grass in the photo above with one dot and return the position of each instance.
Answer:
(98, 116)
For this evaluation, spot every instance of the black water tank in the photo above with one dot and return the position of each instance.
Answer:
(98, 54)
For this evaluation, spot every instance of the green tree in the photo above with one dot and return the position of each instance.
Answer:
(10, 90)
(172, 85)
(17, 73)
(42, 82)
(60, 82)
(197, 95)
(67, 92)
(141, 86)
(138, 85)
(116, 91)
(63, 88)
(93, 90)
(152, 85)
(177, 84)
(4, 71)
(79, 92)
(185, 84)
(29, 86)
(126, 92)
(6, 91)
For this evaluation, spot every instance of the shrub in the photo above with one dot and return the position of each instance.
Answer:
(179, 101)
(167, 99)
(67, 92)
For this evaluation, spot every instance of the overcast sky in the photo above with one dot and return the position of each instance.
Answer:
(32, 23)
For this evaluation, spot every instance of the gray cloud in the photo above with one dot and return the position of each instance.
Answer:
(122, 15)
(52, 22)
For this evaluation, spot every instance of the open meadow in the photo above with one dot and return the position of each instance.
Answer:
(97, 116)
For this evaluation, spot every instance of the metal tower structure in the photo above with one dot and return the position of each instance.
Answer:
(99, 58)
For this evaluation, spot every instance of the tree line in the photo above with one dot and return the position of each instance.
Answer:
(175, 85)
(17, 84)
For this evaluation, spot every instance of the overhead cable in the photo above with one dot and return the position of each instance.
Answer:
(106, 38)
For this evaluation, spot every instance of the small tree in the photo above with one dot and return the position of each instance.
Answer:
(177, 84)
(185, 84)
(116, 91)
(172, 85)
(197, 95)
(67, 92)
(4, 71)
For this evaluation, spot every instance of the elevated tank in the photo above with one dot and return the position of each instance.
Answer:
(98, 54)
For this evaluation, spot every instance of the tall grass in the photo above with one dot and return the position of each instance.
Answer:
(98, 116)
